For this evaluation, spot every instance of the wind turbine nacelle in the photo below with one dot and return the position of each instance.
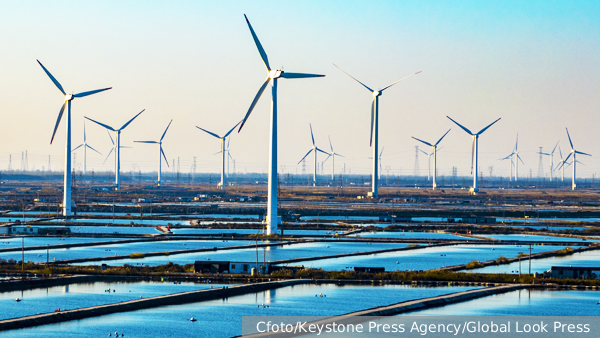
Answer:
(69, 97)
(376, 93)
(275, 74)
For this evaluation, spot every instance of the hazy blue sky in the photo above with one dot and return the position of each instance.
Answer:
(535, 64)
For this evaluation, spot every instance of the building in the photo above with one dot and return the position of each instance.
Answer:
(479, 220)
(573, 272)
(36, 230)
(229, 267)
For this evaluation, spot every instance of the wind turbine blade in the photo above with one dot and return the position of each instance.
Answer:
(560, 152)
(427, 143)
(111, 139)
(260, 91)
(364, 85)
(60, 114)
(79, 146)
(164, 156)
(229, 132)
(465, 129)
(423, 152)
(261, 50)
(335, 154)
(440, 140)
(231, 157)
(404, 78)
(327, 158)
(381, 152)
(298, 75)
(330, 146)
(126, 124)
(484, 129)
(579, 152)
(93, 149)
(56, 83)
(84, 132)
(91, 92)
(218, 152)
(229, 139)
(554, 148)
(153, 142)
(213, 134)
(165, 133)
(324, 152)
(311, 134)
(520, 159)
(107, 156)
(372, 121)
(102, 124)
(579, 162)
(568, 157)
(569, 136)
(305, 156)
(517, 144)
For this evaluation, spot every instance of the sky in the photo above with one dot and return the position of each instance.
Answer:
(534, 64)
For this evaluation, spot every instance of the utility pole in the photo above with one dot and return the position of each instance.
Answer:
(530, 259)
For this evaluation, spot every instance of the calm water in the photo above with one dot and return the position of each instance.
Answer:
(587, 258)
(222, 318)
(37, 241)
(523, 303)
(115, 230)
(425, 259)
(86, 294)
(394, 234)
(535, 238)
(297, 250)
(120, 249)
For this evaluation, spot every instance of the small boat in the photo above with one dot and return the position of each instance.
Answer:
(17, 300)
(192, 319)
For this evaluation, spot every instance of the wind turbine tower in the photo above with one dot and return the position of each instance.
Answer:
(574, 154)
(274, 75)
(85, 148)
(316, 150)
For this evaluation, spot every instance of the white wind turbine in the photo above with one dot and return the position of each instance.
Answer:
(275, 75)
(375, 129)
(514, 160)
(552, 162)
(316, 150)
(66, 205)
(161, 153)
(228, 156)
(574, 153)
(474, 152)
(85, 147)
(332, 155)
(223, 152)
(561, 165)
(117, 147)
(434, 148)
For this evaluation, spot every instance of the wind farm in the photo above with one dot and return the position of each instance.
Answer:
(274, 224)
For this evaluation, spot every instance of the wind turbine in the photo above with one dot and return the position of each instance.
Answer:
(316, 150)
(375, 128)
(66, 206)
(228, 156)
(85, 146)
(514, 161)
(117, 146)
(161, 153)
(332, 155)
(272, 219)
(561, 165)
(223, 152)
(574, 153)
(552, 162)
(434, 147)
(474, 151)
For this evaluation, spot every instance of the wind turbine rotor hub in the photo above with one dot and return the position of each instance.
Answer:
(376, 93)
(275, 74)
(69, 97)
